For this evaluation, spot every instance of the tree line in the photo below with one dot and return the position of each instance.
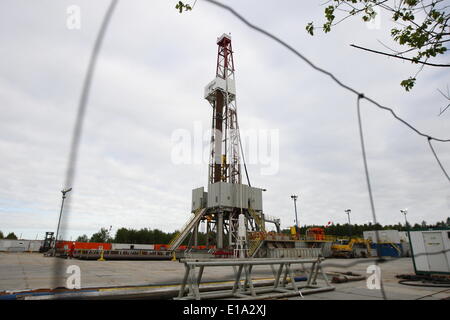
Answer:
(10, 236)
(156, 236)
(143, 236)
(153, 236)
(342, 230)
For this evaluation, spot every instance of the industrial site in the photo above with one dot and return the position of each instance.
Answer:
(244, 234)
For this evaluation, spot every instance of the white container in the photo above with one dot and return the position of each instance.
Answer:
(431, 251)
(7, 245)
(389, 236)
(135, 246)
(4, 244)
(403, 236)
(120, 246)
(34, 245)
(144, 246)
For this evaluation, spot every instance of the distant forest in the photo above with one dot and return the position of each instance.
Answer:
(153, 236)
(142, 236)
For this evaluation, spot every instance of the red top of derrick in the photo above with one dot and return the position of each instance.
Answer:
(224, 40)
(225, 65)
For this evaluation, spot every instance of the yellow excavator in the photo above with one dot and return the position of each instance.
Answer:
(351, 248)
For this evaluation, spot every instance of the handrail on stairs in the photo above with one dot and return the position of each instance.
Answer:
(178, 234)
(258, 219)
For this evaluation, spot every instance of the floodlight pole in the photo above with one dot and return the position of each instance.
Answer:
(294, 197)
(64, 191)
(405, 211)
(349, 225)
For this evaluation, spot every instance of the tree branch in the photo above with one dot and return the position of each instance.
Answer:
(399, 57)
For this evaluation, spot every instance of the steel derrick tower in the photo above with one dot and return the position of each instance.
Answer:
(229, 209)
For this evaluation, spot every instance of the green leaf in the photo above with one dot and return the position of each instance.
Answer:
(408, 83)
(310, 28)
(180, 6)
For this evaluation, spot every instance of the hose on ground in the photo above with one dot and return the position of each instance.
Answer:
(425, 281)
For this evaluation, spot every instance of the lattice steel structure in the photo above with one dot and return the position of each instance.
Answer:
(221, 94)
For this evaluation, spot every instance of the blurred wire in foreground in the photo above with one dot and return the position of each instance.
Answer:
(437, 159)
(369, 188)
(76, 135)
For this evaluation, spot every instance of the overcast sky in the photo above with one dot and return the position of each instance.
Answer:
(148, 85)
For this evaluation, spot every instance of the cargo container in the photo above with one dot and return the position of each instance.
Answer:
(7, 245)
(430, 250)
(70, 245)
(403, 236)
(384, 236)
(386, 249)
(93, 245)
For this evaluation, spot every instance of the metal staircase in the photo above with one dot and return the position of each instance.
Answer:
(188, 226)
(254, 245)
(258, 220)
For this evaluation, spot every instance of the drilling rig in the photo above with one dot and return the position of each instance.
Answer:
(228, 203)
